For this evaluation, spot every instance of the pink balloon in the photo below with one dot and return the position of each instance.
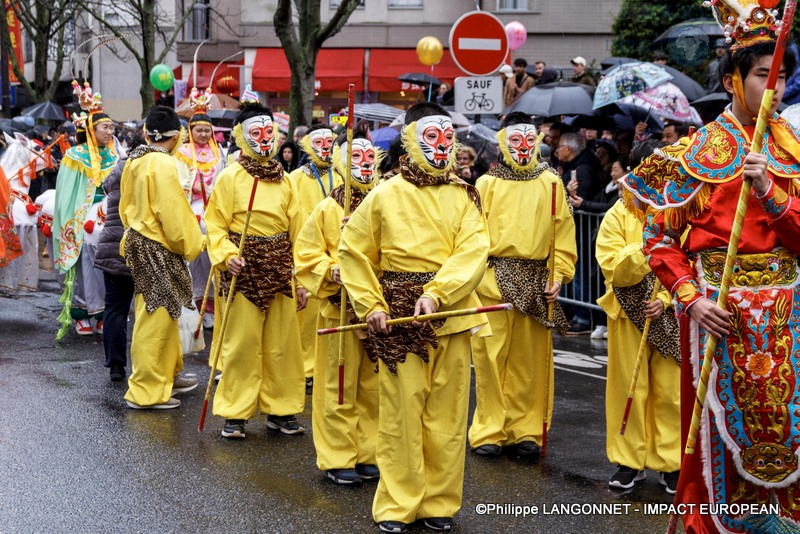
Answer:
(517, 34)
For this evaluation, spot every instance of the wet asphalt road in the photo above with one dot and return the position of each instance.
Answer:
(74, 458)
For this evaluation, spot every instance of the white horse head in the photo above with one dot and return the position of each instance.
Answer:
(18, 155)
(15, 162)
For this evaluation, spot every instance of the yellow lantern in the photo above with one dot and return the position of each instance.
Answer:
(429, 51)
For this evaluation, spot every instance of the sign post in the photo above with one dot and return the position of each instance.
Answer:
(478, 43)
(479, 95)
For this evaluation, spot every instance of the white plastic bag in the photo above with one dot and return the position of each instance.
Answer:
(187, 325)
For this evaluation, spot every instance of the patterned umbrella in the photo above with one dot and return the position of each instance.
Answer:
(665, 101)
(627, 79)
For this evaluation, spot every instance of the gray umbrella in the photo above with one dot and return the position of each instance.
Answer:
(559, 98)
(46, 111)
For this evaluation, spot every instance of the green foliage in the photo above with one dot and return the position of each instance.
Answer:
(639, 23)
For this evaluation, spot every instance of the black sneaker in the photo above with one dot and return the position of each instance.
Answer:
(233, 429)
(309, 384)
(117, 372)
(368, 472)
(669, 481)
(527, 448)
(488, 450)
(439, 524)
(578, 329)
(626, 477)
(344, 477)
(395, 527)
(287, 424)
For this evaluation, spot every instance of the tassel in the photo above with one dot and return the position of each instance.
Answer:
(63, 144)
(65, 318)
(31, 208)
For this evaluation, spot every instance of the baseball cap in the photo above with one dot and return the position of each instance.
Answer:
(578, 61)
(507, 70)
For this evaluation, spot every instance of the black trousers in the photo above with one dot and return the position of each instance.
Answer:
(119, 294)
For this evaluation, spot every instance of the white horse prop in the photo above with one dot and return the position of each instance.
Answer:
(16, 162)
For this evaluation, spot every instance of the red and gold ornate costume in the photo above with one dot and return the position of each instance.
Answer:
(750, 427)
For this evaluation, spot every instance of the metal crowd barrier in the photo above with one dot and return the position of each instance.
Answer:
(588, 285)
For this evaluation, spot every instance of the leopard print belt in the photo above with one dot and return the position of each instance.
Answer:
(776, 268)
(160, 276)
(664, 334)
(522, 283)
(401, 290)
(267, 269)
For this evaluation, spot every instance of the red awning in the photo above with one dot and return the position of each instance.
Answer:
(206, 68)
(387, 64)
(336, 69)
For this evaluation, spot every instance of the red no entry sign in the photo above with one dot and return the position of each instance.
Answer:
(478, 43)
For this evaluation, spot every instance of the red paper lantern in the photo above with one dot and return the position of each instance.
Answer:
(227, 85)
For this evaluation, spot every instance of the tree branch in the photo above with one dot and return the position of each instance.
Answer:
(337, 22)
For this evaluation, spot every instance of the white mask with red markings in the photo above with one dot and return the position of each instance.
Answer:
(321, 144)
(362, 167)
(436, 138)
(259, 133)
(518, 146)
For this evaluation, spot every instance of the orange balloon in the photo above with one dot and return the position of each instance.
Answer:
(429, 51)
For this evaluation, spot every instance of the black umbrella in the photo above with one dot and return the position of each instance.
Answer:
(45, 110)
(614, 61)
(552, 99)
(711, 105)
(632, 115)
(11, 126)
(420, 78)
(594, 122)
(223, 114)
(707, 26)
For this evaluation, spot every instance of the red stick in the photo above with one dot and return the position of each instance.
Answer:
(226, 315)
(351, 99)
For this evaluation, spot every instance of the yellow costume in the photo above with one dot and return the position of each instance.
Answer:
(403, 228)
(152, 205)
(653, 432)
(313, 185)
(260, 350)
(511, 366)
(344, 435)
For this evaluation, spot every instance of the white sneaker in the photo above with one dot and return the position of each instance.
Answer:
(600, 332)
(208, 320)
(170, 404)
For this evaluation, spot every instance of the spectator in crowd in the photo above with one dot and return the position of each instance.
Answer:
(581, 76)
(505, 72)
(117, 275)
(289, 155)
(297, 136)
(674, 131)
(556, 130)
(580, 171)
(623, 140)
(606, 154)
(660, 57)
(445, 94)
(465, 157)
(538, 70)
(713, 82)
(519, 83)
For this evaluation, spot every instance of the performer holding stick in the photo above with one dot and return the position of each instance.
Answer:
(260, 351)
(344, 414)
(513, 374)
(424, 232)
(643, 341)
(747, 391)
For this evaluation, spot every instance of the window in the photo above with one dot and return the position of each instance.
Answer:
(405, 3)
(512, 5)
(196, 27)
